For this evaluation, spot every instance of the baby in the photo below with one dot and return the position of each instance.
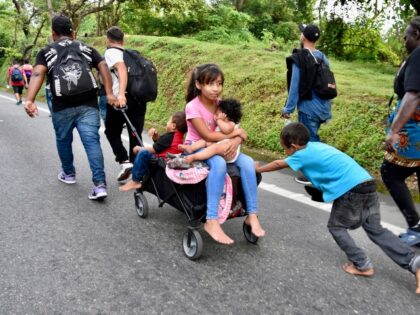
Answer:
(228, 115)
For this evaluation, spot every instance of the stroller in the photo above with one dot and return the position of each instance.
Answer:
(188, 198)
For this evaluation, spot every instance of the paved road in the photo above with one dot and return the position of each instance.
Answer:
(64, 254)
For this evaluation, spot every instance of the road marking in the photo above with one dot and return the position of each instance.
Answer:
(269, 187)
(319, 205)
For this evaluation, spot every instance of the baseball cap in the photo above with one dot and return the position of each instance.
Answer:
(310, 31)
(62, 25)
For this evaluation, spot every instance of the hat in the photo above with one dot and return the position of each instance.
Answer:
(62, 25)
(310, 31)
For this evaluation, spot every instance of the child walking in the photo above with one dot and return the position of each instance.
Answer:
(176, 127)
(228, 115)
(204, 90)
(355, 201)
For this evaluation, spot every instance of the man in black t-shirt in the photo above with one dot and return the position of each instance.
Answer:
(68, 64)
(402, 156)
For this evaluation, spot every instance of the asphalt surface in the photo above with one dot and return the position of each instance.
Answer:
(61, 253)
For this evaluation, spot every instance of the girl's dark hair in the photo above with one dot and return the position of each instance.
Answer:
(178, 118)
(415, 23)
(294, 133)
(203, 74)
(232, 108)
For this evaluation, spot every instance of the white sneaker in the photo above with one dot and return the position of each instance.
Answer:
(125, 172)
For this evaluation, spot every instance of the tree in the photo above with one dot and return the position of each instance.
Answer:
(404, 4)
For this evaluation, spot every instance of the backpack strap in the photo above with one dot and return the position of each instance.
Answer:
(316, 60)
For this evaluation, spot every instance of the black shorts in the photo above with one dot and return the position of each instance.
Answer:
(17, 89)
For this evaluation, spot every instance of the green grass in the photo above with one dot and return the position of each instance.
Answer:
(256, 75)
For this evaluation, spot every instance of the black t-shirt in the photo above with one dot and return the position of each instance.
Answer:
(164, 142)
(47, 57)
(408, 77)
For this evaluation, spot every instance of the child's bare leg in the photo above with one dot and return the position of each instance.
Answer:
(213, 228)
(192, 147)
(256, 228)
(418, 281)
(351, 269)
(130, 185)
(215, 149)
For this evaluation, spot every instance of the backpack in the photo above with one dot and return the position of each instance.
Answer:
(72, 73)
(142, 84)
(324, 82)
(28, 73)
(16, 75)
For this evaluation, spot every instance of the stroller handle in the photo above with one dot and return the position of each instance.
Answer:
(133, 129)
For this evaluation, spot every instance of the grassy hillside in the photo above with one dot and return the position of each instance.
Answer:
(256, 75)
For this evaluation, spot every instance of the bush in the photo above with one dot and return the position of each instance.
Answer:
(5, 42)
(226, 25)
(288, 31)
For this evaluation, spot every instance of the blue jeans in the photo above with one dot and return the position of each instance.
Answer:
(86, 120)
(48, 98)
(102, 106)
(216, 180)
(312, 123)
(141, 165)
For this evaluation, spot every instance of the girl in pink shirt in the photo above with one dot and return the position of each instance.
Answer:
(204, 90)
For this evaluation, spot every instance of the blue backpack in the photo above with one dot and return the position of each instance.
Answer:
(16, 75)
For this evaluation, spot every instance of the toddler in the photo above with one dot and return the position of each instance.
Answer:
(176, 127)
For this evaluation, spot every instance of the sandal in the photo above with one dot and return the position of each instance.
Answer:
(178, 163)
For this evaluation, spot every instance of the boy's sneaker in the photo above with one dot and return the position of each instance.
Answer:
(302, 180)
(67, 178)
(411, 237)
(125, 172)
(98, 192)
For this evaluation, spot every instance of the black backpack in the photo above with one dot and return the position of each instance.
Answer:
(142, 83)
(324, 82)
(71, 72)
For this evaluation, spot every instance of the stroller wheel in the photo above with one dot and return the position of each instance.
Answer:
(192, 244)
(142, 207)
(248, 234)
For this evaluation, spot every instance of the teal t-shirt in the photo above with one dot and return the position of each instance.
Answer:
(330, 170)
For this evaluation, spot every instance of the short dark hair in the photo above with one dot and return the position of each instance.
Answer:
(415, 23)
(115, 34)
(294, 133)
(26, 60)
(62, 25)
(232, 108)
(180, 121)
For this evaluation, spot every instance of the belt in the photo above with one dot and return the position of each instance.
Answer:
(366, 187)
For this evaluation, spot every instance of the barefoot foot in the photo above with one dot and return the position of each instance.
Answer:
(256, 229)
(213, 228)
(130, 185)
(418, 281)
(351, 269)
(185, 148)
